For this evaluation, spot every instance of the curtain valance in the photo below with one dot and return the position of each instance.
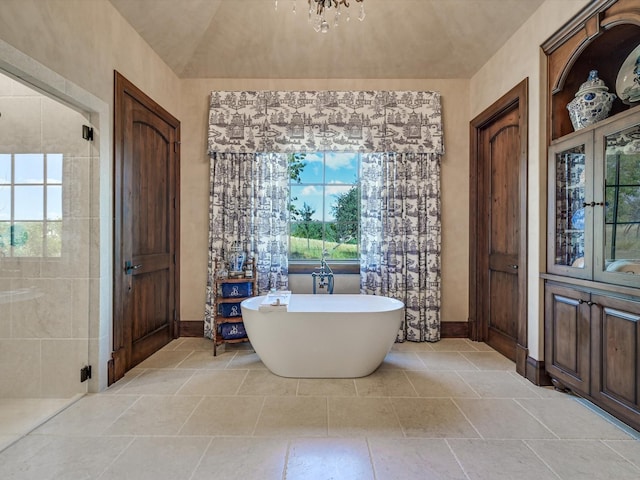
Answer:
(309, 121)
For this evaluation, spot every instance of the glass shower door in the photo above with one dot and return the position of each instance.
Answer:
(45, 254)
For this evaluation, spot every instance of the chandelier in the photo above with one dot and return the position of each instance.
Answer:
(320, 10)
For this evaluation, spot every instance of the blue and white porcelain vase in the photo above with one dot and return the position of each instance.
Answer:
(236, 260)
(592, 102)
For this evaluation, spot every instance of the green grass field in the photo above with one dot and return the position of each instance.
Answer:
(300, 251)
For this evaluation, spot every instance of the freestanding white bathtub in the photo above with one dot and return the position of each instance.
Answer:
(324, 336)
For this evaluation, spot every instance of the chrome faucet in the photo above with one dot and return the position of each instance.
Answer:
(323, 278)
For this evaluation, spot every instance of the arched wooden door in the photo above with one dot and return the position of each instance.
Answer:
(498, 243)
(146, 228)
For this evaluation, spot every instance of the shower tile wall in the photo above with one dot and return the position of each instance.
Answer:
(44, 333)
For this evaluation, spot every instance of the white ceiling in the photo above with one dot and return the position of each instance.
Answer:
(397, 39)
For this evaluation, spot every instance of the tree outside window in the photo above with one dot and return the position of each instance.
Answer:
(324, 206)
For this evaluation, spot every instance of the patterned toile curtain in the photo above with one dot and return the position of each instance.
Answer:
(400, 237)
(248, 202)
(400, 133)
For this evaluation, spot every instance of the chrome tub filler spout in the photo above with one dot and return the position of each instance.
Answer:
(323, 277)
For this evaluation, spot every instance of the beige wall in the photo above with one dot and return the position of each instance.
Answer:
(85, 40)
(195, 181)
(518, 59)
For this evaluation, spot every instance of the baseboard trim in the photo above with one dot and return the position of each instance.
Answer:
(192, 328)
(454, 330)
(536, 373)
(195, 328)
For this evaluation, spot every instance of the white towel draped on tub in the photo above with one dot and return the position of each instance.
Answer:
(276, 302)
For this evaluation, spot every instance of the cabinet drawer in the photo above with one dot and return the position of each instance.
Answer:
(232, 290)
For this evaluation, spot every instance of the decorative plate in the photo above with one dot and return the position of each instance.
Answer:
(577, 220)
(628, 81)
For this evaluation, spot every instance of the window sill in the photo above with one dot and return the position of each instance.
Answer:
(338, 267)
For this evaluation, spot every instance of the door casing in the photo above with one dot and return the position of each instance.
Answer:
(517, 97)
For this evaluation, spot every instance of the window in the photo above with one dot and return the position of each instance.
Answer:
(324, 206)
(31, 205)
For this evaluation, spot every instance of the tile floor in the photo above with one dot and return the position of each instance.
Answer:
(450, 410)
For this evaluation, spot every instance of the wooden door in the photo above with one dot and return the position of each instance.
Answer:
(498, 231)
(146, 228)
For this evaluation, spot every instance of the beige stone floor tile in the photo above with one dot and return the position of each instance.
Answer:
(327, 386)
(489, 361)
(7, 440)
(325, 428)
(569, 419)
(480, 346)
(214, 382)
(246, 360)
(103, 410)
(502, 419)
(455, 345)
(194, 343)
(433, 384)
(155, 415)
(157, 382)
(263, 382)
(329, 459)
(446, 361)
(165, 359)
(243, 458)
(20, 415)
(629, 449)
(403, 361)
(158, 458)
(412, 347)
(52, 457)
(233, 415)
(362, 416)
(385, 383)
(499, 460)
(498, 384)
(293, 417)
(433, 418)
(414, 459)
(117, 387)
(584, 460)
(201, 359)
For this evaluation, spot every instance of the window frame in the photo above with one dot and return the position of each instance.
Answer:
(339, 266)
(8, 251)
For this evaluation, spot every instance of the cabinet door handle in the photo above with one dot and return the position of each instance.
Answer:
(515, 267)
(591, 304)
(585, 204)
(580, 301)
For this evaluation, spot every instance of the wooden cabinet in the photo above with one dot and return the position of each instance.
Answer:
(228, 316)
(615, 362)
(594, 202)
(568, 336)
(592, 279)
(592, 346)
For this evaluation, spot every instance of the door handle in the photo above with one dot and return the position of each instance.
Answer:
(515, 267)
(128, 267)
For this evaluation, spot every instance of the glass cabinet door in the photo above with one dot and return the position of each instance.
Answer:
(570, 214)
(617, 220)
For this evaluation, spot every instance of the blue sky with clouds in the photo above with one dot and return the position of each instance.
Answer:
(339, 171)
